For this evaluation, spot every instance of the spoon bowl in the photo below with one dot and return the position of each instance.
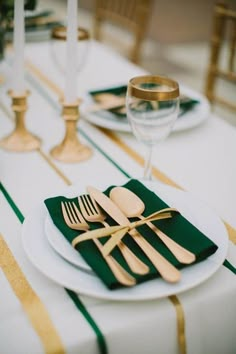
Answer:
(133, 205)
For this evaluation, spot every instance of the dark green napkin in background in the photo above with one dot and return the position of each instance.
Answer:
(178, 228)
(36, 22)
(186, 103)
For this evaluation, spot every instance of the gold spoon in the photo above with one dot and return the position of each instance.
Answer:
(133, 206)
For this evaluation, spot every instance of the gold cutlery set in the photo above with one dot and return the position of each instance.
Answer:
(121, 205)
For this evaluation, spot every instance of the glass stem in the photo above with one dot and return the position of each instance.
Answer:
(148, 166)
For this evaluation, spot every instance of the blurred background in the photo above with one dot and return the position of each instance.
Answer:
(176, 42)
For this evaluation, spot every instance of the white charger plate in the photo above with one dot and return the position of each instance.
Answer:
(52, 265)
(192, 118)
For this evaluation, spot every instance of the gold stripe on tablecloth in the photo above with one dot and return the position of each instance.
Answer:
(54, 167)
(44, 78)
(231, 232)
(7, 112)
(180, 323)
(31, 303)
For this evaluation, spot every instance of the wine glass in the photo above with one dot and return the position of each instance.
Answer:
(152, 105)
(58, 47)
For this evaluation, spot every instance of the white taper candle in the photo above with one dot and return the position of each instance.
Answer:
(18, 46)
(71, 52)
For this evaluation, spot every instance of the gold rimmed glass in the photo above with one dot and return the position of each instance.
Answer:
(152, 104)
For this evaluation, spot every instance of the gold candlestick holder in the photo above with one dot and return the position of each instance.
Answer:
(70, 149)
(20, 139)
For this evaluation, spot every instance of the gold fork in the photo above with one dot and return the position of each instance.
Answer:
(74, 220)
(93, 213)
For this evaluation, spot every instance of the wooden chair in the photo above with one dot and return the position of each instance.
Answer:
(132, 15)
(224, 37)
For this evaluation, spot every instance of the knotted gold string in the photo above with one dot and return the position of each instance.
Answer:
(119, 231)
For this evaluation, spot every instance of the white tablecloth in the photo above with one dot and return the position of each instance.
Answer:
(37, 315)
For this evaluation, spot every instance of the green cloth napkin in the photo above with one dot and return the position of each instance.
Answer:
(186, 103)
(178, 228)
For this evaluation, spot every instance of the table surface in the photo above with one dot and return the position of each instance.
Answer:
(40, 316)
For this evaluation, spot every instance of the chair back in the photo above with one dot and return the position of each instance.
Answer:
(130, 15)
(223, 39)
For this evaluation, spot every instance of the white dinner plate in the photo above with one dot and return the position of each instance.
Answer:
(52, 265)
(62, 246)
(192, 118)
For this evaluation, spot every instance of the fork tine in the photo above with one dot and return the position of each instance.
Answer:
(71, 213)
(73, 217)
(65, 214)
(93, 204)
(90, 205)
(82, 206)
(87, 204)
(78, 213)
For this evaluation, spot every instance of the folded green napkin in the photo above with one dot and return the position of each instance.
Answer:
(178, 228)
(186, 103)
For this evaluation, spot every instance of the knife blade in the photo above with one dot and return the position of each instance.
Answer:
(162, 265)
(108, 205)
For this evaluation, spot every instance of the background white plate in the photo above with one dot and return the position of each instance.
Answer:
(56, 268)
(192, 118)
